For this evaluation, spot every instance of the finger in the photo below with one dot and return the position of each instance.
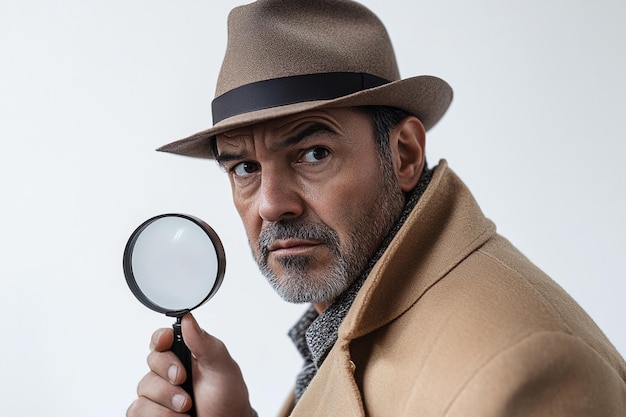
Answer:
(207, 349)
(210, 353)
(162, 340)
(143, 407)
(167, 366)
(157, 390)
(215, 373)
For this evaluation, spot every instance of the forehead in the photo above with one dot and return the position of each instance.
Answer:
(340, 120)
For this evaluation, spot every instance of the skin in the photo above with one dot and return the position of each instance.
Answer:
(318, 167)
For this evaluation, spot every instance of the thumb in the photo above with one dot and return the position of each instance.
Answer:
(215, 373)
(209, 351)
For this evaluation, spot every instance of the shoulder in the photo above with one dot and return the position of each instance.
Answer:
(497, 296)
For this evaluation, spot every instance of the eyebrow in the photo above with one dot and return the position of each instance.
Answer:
(226, 157)
(299, 137)
(302, 135)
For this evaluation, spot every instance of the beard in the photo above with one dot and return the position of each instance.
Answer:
(300, 280)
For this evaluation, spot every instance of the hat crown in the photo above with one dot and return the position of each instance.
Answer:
(279, 38)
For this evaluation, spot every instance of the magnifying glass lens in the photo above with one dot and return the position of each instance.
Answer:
(170, 263)
(174, 263)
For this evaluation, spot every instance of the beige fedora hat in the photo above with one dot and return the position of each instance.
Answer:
(289, 56)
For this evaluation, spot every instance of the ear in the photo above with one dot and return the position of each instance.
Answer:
(408, 140)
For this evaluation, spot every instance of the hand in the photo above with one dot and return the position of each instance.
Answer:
(218, 385)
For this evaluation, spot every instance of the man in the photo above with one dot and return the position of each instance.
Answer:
(418, 306)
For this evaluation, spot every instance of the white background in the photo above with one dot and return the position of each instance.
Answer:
(89, 88)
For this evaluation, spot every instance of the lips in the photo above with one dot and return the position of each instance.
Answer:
(288, 246)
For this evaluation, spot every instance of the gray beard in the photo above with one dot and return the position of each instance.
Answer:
(296, 285)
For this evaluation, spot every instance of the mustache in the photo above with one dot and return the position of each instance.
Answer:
(297, 229)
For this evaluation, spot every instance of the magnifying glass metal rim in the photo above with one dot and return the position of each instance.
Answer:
(132, 282)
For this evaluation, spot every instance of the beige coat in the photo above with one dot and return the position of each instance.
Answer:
(454, 321)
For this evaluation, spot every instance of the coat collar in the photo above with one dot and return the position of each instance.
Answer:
(445, 226)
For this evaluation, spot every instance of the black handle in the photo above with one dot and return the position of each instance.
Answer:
(181, 350)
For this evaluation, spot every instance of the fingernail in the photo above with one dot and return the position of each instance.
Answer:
(172, 373)
(178, 401)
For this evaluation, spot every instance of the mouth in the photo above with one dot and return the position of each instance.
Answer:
(292, 247)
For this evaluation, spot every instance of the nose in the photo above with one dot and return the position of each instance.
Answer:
(279, 197)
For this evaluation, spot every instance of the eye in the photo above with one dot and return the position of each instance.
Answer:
(315, 154)
(243, 169)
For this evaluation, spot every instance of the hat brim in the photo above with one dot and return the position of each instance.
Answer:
(424, 96)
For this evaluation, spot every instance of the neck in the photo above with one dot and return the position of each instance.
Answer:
(321, 307)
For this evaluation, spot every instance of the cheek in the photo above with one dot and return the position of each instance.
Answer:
(342, 204)
(250, 220)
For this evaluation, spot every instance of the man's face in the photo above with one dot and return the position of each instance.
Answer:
(313, 197)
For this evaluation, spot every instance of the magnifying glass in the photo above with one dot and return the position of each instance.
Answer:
(174, 263)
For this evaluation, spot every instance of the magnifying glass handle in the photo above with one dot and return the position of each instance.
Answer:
(182, 352)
